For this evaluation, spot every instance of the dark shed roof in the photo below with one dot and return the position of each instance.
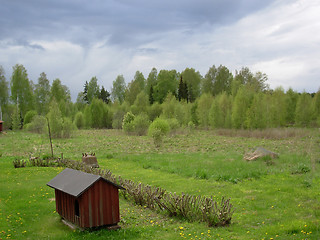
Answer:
(75, 182)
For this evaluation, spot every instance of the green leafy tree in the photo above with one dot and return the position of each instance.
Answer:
(4, 91)
(182, 113)
(135, 87)
(93, 89)
(117, 119)
(167, 82)
(169, 106)
(141, 103)
(21, 89)
(240, 106)
(79, 120)
(223, 81)
(59, 92)
(87, 116)
(97, 113)
(204, 105)
(42, 94)
(194, 114)
(303, 110)
(55, 120)
(255, 82)
(316, 107)
(217, 80)
(155, 110)
(291, 103)
(256, 113)
(107, 116)
(16, 118)
(80, 102)
(67, 127)
(220, 111)
(208, 80)
(118, 89)
(278, 108)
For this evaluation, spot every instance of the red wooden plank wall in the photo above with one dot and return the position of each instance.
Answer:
(98, 206)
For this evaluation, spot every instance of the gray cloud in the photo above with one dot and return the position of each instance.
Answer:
(121, 22)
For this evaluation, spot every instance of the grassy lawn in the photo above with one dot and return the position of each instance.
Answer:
(272, 200)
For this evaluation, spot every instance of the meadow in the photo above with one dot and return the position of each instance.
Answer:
(272, 198)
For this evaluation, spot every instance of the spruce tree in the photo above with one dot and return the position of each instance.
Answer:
(104, 95)
(151, 99)
(85, 92)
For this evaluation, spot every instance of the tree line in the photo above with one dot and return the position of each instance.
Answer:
(219, 99)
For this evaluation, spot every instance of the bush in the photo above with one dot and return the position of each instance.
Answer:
(191, 125)
(157, 130)
(155, 111)
(79, 120)
(173, 124)
(127, 123)
(29, 117)
(67, 128)
(59, 127)
(141, 124)
(117, 119)
(38, 125)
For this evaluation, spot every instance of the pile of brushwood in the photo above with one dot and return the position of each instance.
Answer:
(190, 207)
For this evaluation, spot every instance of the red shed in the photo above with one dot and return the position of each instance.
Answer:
(1, 122)
(86, 200)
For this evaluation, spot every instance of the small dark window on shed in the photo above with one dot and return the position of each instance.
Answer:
(76, 208)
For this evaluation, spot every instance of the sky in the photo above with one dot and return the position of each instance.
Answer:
(75, 40)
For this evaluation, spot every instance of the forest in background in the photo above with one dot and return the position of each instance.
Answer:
(187, 99)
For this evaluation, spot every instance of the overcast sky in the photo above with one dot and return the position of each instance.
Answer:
(75, 40)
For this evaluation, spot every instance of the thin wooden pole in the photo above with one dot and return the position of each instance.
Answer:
(50, 137)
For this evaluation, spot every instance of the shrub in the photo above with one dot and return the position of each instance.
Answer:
(29, 116)
(155, 111)
(67, 128)
(141, 124)
(38, 124)
(173, 124)
(117, 119)
(87, 117)
(127, 123)
(191, 125)
(157, 130)
(79, 120)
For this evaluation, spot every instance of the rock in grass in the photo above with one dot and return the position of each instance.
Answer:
(258, 153)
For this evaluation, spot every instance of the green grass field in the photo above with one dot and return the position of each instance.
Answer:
(272, 200)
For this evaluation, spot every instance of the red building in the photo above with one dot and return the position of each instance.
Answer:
(86, 200)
